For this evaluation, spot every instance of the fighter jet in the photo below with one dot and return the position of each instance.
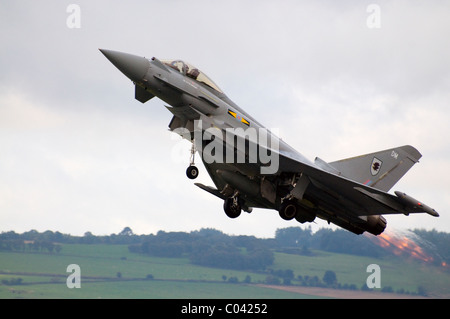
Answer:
(252, 168)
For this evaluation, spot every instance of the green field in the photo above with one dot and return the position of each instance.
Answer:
(111, 271)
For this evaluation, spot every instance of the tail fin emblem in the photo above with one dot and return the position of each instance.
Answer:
(376, 166)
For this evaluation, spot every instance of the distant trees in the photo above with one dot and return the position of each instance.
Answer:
(50, 241)
(12, 281)
(287, 275)
(231, 257)
(438, 244)
(330, 278)
(300, 241)
(294, 237)
(126, 232)
(344, 242)
(210, 248)
(31, 245)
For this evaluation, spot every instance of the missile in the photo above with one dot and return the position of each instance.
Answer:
(418, 206)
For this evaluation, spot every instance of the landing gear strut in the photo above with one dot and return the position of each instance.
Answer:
(192, 170)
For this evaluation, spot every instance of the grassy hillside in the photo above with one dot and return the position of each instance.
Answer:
(396, 272)
(44, 276)
(111, 271)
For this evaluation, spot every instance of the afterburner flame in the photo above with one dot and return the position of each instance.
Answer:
(402, 244)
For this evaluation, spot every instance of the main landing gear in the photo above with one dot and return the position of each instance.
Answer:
(232, 206)
(192, 170)
(288, 209)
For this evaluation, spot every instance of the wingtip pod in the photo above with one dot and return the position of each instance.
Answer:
(415, 204)
(434, 213)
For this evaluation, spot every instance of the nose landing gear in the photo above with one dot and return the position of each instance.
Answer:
(192, 170)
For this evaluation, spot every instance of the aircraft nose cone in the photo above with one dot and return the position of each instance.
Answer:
(133, 66)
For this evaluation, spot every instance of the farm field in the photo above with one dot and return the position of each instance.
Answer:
(111, 271)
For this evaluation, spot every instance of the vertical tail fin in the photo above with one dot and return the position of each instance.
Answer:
(380, 170)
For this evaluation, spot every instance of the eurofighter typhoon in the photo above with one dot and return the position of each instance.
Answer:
(252, 168)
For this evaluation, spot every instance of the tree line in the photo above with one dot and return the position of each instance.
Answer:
(209, 247)
(212, 247)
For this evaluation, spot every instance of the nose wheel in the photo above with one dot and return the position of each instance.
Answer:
(192, 170)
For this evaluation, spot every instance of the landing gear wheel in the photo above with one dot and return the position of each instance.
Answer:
(232, 207)
(192, 172)
(288, 210)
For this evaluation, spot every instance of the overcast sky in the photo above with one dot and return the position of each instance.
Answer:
(336, 78)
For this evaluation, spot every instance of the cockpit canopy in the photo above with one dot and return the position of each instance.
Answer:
(192, 72)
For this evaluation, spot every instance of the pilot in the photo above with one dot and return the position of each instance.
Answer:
(194, 73)
(180, 66)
